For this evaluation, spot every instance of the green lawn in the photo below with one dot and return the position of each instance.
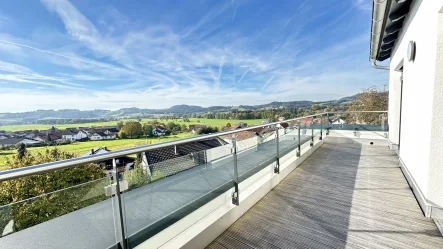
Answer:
(80, 148)
(211, 122)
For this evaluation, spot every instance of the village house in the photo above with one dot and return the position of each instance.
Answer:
(194, 127)
(83, 134)
(101, 136)
(123, 163)
(16, 141)
(159, 131)
(111, 131)
(69, 135)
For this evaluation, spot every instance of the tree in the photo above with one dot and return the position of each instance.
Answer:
(120, 124)
(170, 126)
(122, 135)
(138, 176)
(147, 130)
(21, 151)
(371, 99)
(55, 193)
(207, 130)
(132, 129)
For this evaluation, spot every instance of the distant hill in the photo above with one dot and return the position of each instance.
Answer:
(41, 115)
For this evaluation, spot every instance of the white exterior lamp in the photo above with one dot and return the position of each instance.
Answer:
(411, 51)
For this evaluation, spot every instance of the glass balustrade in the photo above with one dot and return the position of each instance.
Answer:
(136, 195)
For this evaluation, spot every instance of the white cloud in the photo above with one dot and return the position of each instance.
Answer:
(158, 65)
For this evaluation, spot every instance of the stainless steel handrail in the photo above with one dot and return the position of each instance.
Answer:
(71, 163)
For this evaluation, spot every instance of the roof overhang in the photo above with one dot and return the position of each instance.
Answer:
(387, 22)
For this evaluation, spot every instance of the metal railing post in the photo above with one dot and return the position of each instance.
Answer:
(277, 162)
(299, 145)
(312, 132)
(122, 243)
(321, 126)
(327, 128)
(257, 138)
(355, 123)
(235, 197)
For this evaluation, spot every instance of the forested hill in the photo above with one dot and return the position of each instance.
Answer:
(42, 115)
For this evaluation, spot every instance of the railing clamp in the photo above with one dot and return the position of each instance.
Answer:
(299, 145)
(277, 161)
(312, 132)
(235, 195)
(277, 166)
(321, 126)
(235, 199)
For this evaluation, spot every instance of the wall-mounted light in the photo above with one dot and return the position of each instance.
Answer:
(411, 51)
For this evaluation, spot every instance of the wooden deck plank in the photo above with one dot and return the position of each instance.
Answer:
(342, 196)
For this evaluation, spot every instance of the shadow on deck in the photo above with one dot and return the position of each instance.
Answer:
(342, 196)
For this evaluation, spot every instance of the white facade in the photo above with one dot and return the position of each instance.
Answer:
(82, 135)
(97, 136)
(69, 137)
(418, 102)
(158, 132)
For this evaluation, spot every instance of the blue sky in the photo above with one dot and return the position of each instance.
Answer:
(112, 54)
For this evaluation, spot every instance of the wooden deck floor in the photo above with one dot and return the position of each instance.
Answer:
(342, 196)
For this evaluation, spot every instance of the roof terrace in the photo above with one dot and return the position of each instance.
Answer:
(310, 185)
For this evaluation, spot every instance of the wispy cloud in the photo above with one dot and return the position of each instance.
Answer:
(179, 58)
(303, 4)
(267, 82)
(241, 78)
(64, 56)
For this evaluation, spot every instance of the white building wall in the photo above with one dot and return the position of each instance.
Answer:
(394, 107)
(435, 182)
(418, 92)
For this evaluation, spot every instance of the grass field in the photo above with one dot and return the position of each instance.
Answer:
(80, 148)
(83, 147)
(211, 122)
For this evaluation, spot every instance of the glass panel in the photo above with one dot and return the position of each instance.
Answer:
(305, 133)
(77, 216)
(288, 140)
(317, 127)
(169, 183)
(257, 149)
(305, 143)
(361, 121)
(372, 121)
